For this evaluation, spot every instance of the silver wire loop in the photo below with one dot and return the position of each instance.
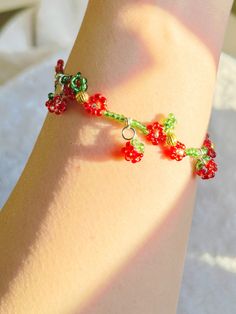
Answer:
(128, 126)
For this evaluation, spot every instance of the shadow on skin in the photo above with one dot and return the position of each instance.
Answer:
(123, 290)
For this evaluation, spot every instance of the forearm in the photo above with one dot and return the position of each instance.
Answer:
(77, 214)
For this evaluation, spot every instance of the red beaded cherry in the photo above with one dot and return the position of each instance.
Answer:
(177, 152)
(156, 133)
(130, 153)
(96, 104)
(208, 170)
(59, 68)
(56, 104)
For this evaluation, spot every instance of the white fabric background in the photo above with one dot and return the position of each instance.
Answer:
(28, 50)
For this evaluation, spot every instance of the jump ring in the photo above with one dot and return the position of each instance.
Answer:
(128, 126)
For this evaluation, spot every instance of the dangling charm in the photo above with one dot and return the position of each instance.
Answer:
(134, 149)
(57, 101)
(173, 148)
(206, 167)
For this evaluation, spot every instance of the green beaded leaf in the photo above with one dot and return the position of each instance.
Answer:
(113, 115)
(169, 123)
(137, 144)
(199, 164)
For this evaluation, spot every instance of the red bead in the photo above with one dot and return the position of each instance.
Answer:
(68, 92)
(130, 153)
(156, 133)
(57, 104)
(211, 152)
(59, 68)
(177, 152)
(208, 170)
(208, 144)
(96, 104)
(207, 141)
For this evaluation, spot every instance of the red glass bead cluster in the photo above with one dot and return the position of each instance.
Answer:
(155, 134)
(207, 167)
(177, 152)
(96, 104)
(68, 87)
(130, 153)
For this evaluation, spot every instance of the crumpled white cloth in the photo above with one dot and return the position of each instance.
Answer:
(28, 50)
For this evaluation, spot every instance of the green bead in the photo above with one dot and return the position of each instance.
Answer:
(204, 150)
(50, 96)
(206, 157)
(192, 152)
(65, 79)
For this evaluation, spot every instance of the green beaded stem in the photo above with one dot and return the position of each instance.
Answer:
(122, 118)
(114, 116)
(196, 152)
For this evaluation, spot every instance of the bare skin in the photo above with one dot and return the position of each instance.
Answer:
(84, 231)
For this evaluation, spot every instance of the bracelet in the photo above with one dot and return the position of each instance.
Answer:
(74, 87)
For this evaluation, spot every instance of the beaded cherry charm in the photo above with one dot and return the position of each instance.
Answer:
(133, 150)
(66, 87)
(205, 166)
(173, 148)
(206, 169)
(56, 103)
(131, 153)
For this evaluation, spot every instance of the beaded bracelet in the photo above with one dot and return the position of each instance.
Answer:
(69, 87)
